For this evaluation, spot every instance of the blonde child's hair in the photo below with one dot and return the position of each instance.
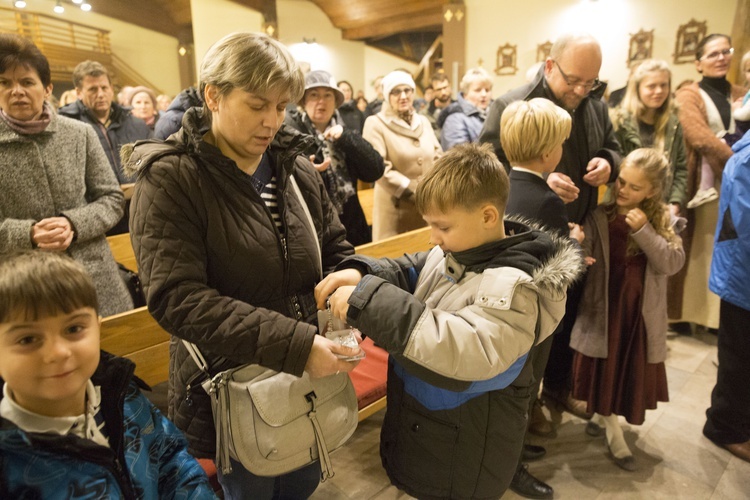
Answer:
(466, 177)
(530, 129)
(37, 284)
(655, 167)
(632, 105)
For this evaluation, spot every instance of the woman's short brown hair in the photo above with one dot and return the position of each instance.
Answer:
(16, 50)
(252, 62)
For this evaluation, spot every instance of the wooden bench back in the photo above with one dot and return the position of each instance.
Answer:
(136, 334)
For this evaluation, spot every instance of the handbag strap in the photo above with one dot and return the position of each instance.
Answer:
(296, 188)
(195, 353)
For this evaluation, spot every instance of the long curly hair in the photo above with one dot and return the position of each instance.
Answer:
(655, 168)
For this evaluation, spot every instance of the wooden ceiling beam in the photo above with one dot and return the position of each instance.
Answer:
(394, 25)
(144, 13)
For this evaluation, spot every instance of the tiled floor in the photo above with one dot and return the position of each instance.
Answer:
(674, 459)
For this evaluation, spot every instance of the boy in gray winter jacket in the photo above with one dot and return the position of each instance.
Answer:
(458, 322)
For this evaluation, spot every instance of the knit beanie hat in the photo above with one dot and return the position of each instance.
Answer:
(394, 79)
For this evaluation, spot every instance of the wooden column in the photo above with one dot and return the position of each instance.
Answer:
(454, 42)
(186, 57)
(740, 41)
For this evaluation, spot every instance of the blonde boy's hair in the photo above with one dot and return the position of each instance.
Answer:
(466, 177)
(37, 284)
(529, 129)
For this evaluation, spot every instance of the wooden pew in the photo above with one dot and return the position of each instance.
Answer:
(137, 336)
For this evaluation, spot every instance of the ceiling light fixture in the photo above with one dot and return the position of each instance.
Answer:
(78, 2)
(59, 9)
(85, 7)
(20, 4)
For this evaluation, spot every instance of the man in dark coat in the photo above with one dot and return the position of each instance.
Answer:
(114, 125)
(591, 157)
(171, 120)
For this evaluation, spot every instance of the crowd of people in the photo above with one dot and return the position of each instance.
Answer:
(241, 199)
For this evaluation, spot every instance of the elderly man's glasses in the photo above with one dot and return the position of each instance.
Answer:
(397, 92)
(717, 53)
(587, 86)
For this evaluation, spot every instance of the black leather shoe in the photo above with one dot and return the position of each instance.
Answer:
(528, 486)
(532, 452)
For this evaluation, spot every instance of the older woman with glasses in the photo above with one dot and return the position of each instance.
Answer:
(408, 145)
(341, 155)
(705, 111)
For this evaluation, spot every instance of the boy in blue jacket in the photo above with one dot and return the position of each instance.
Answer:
(458, 322)
(73, 422)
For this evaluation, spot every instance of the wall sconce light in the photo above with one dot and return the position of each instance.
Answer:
(182, 50)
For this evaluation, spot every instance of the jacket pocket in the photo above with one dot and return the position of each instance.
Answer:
(423, 450)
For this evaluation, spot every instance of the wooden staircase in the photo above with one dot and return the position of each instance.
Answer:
(65, 44)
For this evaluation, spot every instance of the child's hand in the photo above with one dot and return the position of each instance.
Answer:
(636, 219)
(340, 301)
(333, 281)
(589, 261)
(576, 232)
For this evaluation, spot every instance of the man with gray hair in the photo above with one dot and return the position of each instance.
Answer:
(114, 125)
(591, 157)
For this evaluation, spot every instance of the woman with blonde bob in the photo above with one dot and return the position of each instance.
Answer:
(463, 120)
(647, 118)
(224, 242)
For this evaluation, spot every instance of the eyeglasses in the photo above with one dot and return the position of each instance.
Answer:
(397, 92)
(587, 87)
(715, 55)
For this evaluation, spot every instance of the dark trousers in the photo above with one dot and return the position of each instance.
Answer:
(728, 419)
(242, 484)
(560, 363)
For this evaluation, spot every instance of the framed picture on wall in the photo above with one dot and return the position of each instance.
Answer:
(506, 60)
(688, 36)
(641, 46)
(543, 50)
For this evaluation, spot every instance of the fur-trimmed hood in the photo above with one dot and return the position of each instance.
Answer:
(553, 262)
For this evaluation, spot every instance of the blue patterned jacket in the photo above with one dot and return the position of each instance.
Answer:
(147, 458)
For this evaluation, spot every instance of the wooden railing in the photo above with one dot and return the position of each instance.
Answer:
(65, 44)
(46, 30)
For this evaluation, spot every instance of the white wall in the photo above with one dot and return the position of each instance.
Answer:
(300, 19)
(152, 54)
(213, 19)
(491, 24)
(379, 63)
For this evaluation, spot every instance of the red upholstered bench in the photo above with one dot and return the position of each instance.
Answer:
(369, 379)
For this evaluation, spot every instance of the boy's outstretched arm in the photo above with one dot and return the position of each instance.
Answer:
(478, 341)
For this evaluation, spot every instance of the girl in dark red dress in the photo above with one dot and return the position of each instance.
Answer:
(620, 332)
